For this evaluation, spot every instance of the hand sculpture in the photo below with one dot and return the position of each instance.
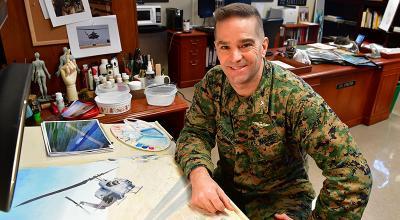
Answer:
(68, 74)
(63, 60)
(39, 75)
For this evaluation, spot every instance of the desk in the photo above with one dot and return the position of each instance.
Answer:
(165, 193)
(367, 100)
(171, 117)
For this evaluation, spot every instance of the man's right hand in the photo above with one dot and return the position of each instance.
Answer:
(206, 193)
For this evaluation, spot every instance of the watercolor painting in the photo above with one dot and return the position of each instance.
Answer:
(49, 193)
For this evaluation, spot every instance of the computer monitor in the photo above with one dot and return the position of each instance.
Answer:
(271, 29)
(205, 8)
(227, 2)
(15, 82)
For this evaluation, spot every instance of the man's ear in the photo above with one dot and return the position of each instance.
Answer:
(265, 45)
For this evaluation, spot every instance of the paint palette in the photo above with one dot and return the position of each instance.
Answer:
(141, 135)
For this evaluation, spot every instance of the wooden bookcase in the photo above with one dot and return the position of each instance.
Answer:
(305, 33)
(350, 14)
(374, 34)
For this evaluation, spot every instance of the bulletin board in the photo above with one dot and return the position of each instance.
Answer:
(42, 32)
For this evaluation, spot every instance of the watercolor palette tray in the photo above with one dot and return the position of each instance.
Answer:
(141, 135)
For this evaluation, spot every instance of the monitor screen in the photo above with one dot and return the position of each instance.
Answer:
(227, 2)
(15, 82)
(271, 29)
(205, 8)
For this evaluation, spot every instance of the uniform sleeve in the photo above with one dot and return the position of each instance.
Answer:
(197, 138)
(327, 140)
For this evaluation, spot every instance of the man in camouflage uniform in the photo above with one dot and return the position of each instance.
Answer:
(265, 120)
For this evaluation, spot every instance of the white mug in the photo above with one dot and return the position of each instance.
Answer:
(162, 79)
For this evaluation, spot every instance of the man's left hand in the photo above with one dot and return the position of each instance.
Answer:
(282, 216)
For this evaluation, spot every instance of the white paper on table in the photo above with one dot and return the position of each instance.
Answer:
(391, 50)
(44, 9)
(282, 64)
(322, 46)
(389, 14)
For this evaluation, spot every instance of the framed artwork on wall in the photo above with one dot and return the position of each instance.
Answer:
(96, 36)
(63, 12)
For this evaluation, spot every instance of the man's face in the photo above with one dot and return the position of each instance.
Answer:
(240, 50)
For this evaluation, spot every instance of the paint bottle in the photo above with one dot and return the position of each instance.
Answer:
(150, 75)
(60, 101)
(90, 79)
(103, 67)
(114, 63)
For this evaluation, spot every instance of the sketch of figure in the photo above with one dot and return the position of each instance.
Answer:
(39, 75)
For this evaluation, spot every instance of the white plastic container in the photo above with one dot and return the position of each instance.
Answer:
(114, 102)
(116, 87)
(160, 95)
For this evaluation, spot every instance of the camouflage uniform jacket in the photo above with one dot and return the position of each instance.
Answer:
(263, 141)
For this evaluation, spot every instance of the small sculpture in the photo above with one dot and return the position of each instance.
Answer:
(63, 61)
(68, 73)
(39, 75)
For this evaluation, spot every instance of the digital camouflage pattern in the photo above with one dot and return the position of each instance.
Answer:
(263, 141)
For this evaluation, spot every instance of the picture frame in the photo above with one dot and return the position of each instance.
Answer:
(62, 12)
(303, 14)
(93, 37)
(42, 31)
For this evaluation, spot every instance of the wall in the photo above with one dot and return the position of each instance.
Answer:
(156, 43)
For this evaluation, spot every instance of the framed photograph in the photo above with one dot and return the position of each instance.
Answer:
(303, 14)
(63, 12)
(101, 7)
(93, 37)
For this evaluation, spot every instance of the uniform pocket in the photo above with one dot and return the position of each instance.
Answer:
(264, 146)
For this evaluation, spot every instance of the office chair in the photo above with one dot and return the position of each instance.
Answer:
(271, 29)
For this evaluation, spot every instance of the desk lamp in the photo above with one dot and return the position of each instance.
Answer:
(15, 81)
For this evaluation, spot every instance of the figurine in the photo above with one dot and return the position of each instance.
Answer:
(68, 73)
(39, 75)
(63, 61)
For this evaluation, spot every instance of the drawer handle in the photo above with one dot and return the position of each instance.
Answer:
(194, 64)
(194, 54)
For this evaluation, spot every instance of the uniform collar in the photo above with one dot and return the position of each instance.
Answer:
(259, 100)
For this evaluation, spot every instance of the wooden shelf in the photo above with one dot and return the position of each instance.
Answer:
(381, 3)
(305, 33)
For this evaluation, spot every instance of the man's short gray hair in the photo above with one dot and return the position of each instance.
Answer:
(239, 10)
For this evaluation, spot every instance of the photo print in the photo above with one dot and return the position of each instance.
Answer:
(101, 7)
(93, 36)
(63, 12)
(65, 7)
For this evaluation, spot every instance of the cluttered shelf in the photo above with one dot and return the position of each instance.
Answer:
(304, 33)
(171, 117)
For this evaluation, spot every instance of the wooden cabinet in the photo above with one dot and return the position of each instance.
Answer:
(186, 57)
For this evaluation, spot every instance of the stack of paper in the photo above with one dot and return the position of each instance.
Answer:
(74, 137)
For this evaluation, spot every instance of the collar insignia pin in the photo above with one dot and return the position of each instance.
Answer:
(261, 124)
